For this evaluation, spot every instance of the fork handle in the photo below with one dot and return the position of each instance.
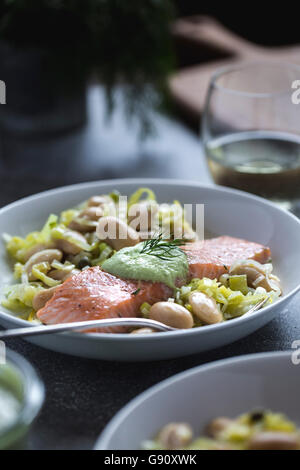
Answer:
(83, 325)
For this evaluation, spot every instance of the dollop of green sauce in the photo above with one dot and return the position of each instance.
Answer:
(11, 391)
(130, 263)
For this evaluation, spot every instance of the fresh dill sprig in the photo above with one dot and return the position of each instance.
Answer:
(162, 248)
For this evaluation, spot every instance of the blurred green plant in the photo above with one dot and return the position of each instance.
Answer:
(120, 41)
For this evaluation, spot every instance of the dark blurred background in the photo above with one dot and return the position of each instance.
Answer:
(88, 90)
(261, 22)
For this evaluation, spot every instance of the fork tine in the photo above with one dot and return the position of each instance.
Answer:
(257, 306)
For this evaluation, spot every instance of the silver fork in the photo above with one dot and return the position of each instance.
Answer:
(83, 325)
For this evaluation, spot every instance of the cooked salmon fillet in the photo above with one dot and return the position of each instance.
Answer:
(94, 294)
(213, 257)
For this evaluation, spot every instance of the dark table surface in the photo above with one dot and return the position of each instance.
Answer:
(83, 395)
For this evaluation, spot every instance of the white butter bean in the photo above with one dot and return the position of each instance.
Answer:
(116, 233)
(171, 314)
(205, 308)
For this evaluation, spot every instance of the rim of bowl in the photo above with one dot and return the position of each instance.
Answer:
(168, 182)
(34, 394)
(126, 410)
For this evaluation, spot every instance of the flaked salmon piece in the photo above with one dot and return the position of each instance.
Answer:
(213, 257)
(94, 294)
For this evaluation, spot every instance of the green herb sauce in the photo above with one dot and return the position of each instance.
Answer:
(10, 396)
(131, 263)
(9, 408)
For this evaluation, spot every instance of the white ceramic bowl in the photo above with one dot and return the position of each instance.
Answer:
(227, 212)
(224, 388)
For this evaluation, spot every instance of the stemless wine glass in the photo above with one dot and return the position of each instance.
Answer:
(251, 130)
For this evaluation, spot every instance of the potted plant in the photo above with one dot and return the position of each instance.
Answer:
(49, 49)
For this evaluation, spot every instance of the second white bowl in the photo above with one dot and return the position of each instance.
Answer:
(224, 388)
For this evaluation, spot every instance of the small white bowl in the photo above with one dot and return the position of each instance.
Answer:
(224, 388)
(19, 377)
(227, 212)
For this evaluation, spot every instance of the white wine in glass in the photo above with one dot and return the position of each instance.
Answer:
(251, 131)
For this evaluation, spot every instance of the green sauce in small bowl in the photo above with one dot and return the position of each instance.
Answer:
(21, 397)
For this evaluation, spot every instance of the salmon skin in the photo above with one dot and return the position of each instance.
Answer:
(94, 294)
(213, 257)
